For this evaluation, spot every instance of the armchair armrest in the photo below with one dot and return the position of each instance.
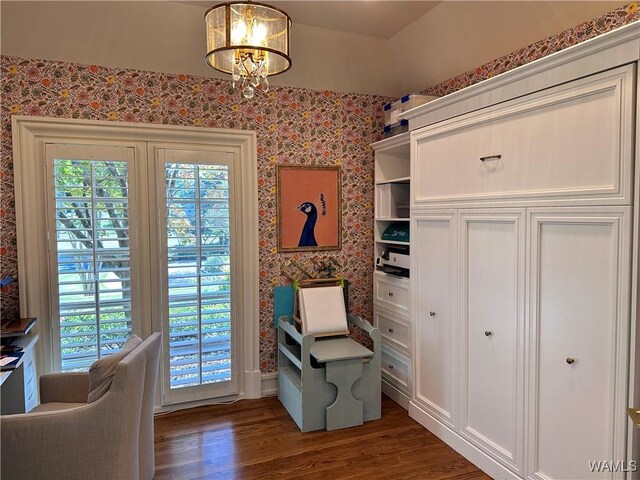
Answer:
(74, 444)
(72, 387)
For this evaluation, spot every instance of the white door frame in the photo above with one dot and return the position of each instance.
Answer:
(29, 137)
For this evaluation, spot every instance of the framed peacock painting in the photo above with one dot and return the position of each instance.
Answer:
(309, 208)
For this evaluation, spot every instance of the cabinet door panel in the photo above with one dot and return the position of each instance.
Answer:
(433, 254)
(492, 317)
(533, 147)
(579, 325)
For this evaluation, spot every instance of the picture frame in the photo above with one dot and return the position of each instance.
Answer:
(309, 208)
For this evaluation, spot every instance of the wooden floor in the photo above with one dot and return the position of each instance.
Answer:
(256, 439)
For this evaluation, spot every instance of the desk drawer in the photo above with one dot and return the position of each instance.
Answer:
(396, 369)
(391, 293)
(29, 367)
(568, 141)
(30, 396)
(393, 329)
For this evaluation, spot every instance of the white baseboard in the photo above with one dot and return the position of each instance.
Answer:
(257, 385)
(396, 395)
(460, 445)
(269, 384)
(252, 384)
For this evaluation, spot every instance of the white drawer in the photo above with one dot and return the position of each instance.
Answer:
(391, 293)
(395, 369)
(29, 386)
(568, 141)
(393, 329)
(29, 368)
(30, 400)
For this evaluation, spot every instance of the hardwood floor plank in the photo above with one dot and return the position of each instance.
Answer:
(256, 439)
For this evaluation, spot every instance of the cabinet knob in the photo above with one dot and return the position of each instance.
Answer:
(391, 294)
(570, 360)
(488, 333)
(432, 314)
(391, 330)
(390, 367)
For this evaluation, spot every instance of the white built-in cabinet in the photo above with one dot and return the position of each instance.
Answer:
(434, 332)
(391, 292)
(523, 248)
(491, 287)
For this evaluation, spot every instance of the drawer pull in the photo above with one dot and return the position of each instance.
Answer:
(391, 330)
(570, 360)
(488, 333)
(490, 157)
(432, 314)
(391, 294)
(390, 367)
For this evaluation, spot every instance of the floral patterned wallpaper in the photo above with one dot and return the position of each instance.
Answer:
(602, 24)
(293, 126)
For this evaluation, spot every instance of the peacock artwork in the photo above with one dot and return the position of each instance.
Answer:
(308, 237)
(309, 213)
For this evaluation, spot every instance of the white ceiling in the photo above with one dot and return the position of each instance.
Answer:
(374, 18)
(345, 46)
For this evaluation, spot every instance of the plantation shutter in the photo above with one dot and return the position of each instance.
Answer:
(198, 235)
(91, 238)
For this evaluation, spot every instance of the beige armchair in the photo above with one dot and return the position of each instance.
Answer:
(67, 438)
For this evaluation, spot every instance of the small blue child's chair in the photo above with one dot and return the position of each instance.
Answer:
(325, 379)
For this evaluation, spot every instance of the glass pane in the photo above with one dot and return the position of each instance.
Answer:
(93, 256)
(199, 274)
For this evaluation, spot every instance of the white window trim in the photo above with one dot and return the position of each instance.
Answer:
(29, 137)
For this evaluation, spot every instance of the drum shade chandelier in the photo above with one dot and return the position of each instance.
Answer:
(248, 40)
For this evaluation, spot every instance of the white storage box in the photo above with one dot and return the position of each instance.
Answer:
(392, 110)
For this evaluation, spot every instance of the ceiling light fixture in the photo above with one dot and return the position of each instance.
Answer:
(248, 40)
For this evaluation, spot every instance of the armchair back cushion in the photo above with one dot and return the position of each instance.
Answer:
(102, 370)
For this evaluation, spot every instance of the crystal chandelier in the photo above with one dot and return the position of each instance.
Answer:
(248, 40)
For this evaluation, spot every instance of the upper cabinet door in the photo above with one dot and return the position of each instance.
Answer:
(568, 144)
(492, 332)
(578, 345)
(433, 255)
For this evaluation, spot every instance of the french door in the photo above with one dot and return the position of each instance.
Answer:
(101, 201)
(93, 251)
(196, 234)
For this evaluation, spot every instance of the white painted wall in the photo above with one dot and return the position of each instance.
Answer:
(453, 37)
(170, 37)
(457, 36)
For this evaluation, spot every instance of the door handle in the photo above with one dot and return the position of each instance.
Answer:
(634, 413)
